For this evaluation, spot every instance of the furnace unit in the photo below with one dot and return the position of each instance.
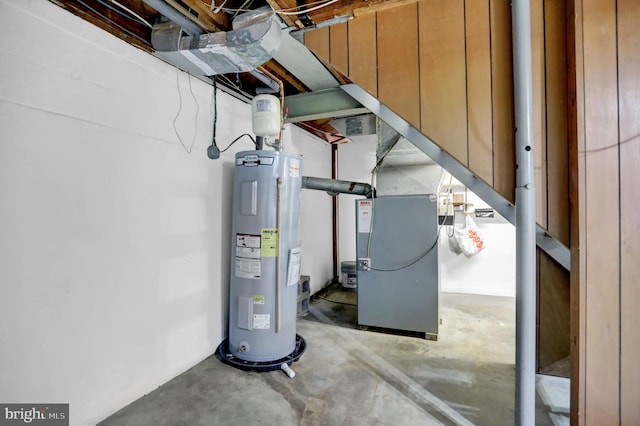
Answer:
(397, 251)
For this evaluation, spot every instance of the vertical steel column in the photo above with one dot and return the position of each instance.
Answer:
(335, 207)
(525, 217)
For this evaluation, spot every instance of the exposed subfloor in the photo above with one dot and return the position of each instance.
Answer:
(355, 377)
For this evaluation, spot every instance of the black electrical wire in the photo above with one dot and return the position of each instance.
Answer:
(215, 111)
(214, 151)
(422, 256)
(237, 139)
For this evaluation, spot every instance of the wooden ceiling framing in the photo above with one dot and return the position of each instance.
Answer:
(131, 21)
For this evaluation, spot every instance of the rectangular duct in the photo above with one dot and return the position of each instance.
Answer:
(253, 41)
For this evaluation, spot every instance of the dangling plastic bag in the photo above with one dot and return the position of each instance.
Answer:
(453, 244)
(469, 239)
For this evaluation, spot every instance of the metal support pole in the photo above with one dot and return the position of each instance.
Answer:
(335, 208)
(525, 217)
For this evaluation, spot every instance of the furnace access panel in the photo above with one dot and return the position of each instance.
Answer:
(397, 267)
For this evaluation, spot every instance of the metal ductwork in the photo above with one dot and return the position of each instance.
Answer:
(253, 41)
(173, 15)
(333, 186)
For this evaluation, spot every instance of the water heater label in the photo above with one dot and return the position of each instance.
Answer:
(269, 242)
(248, 268)
(294, 168)
(248, 252)
(263, 105)
(247, 240)
(261, 321)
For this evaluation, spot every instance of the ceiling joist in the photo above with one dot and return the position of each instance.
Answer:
(201, 9)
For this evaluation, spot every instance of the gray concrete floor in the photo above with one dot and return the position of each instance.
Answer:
(355, 377)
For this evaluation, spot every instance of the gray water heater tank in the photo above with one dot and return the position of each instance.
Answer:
(265, 255)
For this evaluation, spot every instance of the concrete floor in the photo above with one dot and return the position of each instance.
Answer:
(355, 377)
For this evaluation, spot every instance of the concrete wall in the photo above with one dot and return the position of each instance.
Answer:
(114, 242)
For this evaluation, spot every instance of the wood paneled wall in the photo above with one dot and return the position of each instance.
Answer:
(606, 249)
(445, 66)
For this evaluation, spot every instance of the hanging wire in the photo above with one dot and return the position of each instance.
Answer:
(300, 12)
(175, 129)
(215, 112)
(246, 4)
(421, 256)
(125, 8)
(287, 11)
(237, 139)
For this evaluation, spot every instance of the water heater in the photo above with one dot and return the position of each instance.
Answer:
(265, 256)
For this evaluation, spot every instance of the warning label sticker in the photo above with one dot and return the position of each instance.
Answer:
(258, 300)
(261, 321)
(248, 252)
(248, 268)
(269, 242)
(365, 213)
(248, 263)
(248, 240)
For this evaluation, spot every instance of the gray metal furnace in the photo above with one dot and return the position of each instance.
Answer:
(397, 252)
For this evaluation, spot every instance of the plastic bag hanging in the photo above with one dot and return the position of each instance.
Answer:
(469, 239)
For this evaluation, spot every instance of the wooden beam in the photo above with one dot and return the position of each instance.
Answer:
(285, 4)
(130, 31)
(274, 66)
(354, 9)
(379, 5)
(217, 21)
(323, 130)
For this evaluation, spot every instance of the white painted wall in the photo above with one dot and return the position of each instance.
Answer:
(355, 162)
(491, 272)
(315, 207)
(114, 242)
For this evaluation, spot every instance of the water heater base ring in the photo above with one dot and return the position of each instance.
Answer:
(227, 357)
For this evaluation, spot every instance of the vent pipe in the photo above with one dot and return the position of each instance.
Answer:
(334, 187)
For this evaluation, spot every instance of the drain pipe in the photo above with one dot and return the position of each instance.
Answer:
(334, 186)
(525, 409)
(173, 15)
